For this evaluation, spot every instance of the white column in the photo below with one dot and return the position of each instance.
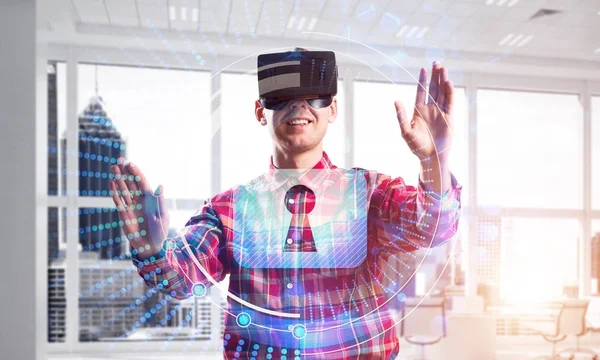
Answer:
(72, 253)
(349, 143)
(585, 245)
(471, 266)
(217, 163)
(24, 223)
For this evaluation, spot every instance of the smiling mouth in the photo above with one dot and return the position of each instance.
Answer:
(298, 122)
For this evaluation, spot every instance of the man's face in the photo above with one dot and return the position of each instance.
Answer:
(297, 127)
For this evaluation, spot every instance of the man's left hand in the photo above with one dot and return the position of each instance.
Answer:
(430, 130)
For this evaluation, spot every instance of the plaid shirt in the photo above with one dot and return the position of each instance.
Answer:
(343, 310)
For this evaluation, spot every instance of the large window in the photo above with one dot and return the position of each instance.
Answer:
(379, 145)
(529, 151)
(529, 155)
(334, 142)
(164, 119)
(596, 152)
(538, 258)
(160, 120)
(246, 146)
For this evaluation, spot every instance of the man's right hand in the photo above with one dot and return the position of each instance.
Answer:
(143, 212)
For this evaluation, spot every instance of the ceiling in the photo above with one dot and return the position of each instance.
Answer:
(488, 26)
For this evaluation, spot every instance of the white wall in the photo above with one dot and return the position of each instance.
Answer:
(23, 264)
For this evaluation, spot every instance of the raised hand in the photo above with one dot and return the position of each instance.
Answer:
(144, 213)
(430, 129)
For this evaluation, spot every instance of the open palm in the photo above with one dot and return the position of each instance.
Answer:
(429, 132)
(143, 212)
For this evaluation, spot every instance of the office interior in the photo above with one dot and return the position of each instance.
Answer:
(177, 81)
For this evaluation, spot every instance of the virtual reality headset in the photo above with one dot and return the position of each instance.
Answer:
(297, 75)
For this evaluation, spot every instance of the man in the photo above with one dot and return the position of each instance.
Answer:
(306, 298)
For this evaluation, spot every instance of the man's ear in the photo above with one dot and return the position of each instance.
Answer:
(259, 110)
(333, 111)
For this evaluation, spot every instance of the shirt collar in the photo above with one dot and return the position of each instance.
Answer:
(311, 178)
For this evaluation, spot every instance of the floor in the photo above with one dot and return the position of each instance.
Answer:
(504, 352)
(213, 356)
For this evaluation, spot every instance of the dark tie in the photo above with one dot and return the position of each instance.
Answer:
(300, 201)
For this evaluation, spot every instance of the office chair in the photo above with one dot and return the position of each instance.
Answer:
(425, 323)
(570, 321)
(591, 318)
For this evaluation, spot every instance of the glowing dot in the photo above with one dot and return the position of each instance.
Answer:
(299, 331)
(243, 320)
(199, 290)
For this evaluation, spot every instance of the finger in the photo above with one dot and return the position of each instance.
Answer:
(162, 204)
(449, 97)
(121, 186)
(142, 184)
(441, 98)
(434, 82)
(127, 177)
(421, 88)
(402, 118)
(155, 202)
(123, 214)
(131, 183)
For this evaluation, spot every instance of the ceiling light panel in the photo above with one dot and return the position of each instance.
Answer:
(515, 40)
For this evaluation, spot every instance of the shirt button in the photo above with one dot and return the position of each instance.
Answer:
(289, 285)
(290, 241)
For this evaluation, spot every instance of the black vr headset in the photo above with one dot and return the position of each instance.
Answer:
(292, 75)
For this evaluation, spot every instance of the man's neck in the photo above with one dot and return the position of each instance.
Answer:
(301, 161)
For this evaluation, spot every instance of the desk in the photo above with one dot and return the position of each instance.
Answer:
(470, 337)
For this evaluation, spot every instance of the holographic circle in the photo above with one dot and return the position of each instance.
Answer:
(168, 244)
(299, 331)
(243, 320)
(199, 290)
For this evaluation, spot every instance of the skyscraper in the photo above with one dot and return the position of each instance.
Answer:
(99, 147)
(53, 218)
